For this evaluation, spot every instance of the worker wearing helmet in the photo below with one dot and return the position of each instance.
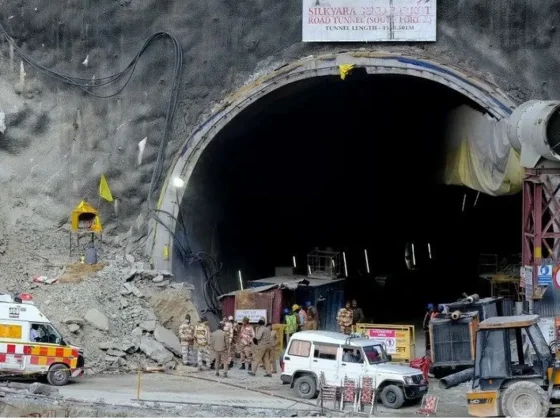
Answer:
(301, 315)
(290, 322)
(426, 323)
(438, 313)
(311, 311)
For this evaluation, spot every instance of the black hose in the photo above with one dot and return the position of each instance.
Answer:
(456, 378)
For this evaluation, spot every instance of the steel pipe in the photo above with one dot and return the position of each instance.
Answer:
(534, 129)
(473, 298)
(456, 378)
(456, 315)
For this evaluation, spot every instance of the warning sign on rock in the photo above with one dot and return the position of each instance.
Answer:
(389, 337)
(368, 20)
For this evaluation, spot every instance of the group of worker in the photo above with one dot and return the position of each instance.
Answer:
(349, 316)
(255, 346)
(431, 313)
(300, 319)
(217, 350)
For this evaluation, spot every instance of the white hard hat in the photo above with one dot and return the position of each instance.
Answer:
(230, 318)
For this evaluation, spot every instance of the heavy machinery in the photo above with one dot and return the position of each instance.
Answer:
(515, 371)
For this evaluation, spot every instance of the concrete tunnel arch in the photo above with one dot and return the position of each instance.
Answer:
(488, 96)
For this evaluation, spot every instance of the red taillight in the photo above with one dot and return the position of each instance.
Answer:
(282, 366)
(25, 297)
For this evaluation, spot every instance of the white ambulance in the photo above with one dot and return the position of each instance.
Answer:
(31, 345)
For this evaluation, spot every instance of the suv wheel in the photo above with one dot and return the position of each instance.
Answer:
(305, 387)
(392, 396)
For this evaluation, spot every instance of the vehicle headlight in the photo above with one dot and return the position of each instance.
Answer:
(408, 380)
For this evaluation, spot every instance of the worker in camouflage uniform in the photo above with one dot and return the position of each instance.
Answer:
(228, 330)
(236, 342)
(186, 335)
(344, 318)
(246, 335)
(233, 340)
(202, 337)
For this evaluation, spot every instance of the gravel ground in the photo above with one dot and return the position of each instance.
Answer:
(187, 386)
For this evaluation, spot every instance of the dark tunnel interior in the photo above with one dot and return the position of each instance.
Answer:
(350, 165)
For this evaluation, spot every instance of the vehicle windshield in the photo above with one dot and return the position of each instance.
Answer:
(491, 354)
(46, 333)
(543, 354)
(375, 354)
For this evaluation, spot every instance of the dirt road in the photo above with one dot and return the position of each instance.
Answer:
(178, 389)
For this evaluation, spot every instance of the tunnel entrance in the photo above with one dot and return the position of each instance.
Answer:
(353, 165)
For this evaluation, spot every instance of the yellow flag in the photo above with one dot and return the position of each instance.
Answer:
(345, 69)
(104, 190)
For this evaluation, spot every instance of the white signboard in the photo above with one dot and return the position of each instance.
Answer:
(253, 314)
(368, 20)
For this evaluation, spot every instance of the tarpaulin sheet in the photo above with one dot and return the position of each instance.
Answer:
(479, 155)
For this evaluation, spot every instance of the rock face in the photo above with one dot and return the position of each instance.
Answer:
(171, 306)
(168, 339)
(97, 319)
(155, 350)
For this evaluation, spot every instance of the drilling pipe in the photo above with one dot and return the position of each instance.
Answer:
(456, 378)
(473, 298)
(534, 130)
(456, 315)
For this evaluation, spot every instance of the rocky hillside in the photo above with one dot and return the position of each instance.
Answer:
(121, 313)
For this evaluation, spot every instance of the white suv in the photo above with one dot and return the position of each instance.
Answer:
(338, 356)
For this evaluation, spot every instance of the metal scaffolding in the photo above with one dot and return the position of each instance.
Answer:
(324, 264)
(541, 223)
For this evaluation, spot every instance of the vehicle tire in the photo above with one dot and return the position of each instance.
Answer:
(58, 375)
(525, 399)
(392, 396)
(305, 387)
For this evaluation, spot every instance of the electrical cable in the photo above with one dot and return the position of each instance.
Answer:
(211, 270)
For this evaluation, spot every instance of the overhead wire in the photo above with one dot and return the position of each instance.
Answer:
(211, 288)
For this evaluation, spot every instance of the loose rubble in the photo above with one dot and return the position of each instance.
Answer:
(125, 316)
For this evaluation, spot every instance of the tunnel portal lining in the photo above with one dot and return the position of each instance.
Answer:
(486, 95)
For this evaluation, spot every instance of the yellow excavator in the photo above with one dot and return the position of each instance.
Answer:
(516, 373)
